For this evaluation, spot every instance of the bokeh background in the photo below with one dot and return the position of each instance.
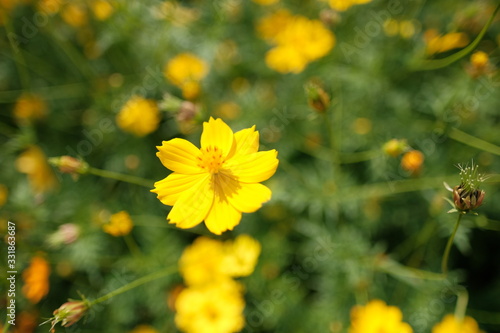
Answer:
(349, 213)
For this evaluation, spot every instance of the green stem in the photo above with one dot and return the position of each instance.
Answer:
(472, 141)
(440, 63)
(145, 279)
(132, 245)
(6, 326)
(461, 307)
(18, 57)
(444, 263)
(121, 177)
(396, 269)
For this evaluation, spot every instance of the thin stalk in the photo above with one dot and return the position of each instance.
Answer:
(461, 307)
(121, 177)
(132, 245)
(444, 263)
(18, 57)
(472, 141)
(6, 326)
(135, 284)
(440, 63)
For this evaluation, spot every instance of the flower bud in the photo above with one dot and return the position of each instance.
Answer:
(468, 196)
(68, 164)
(317, 98)
(69, 313)
(395, 147)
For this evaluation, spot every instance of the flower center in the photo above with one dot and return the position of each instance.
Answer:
(211, 159)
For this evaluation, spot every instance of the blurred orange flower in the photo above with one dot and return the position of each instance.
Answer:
(36, 279)
(33, 162)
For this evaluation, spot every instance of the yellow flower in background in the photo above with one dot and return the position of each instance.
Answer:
(342, 5)
(144, 329)
(479, 59)
(186, 71)
(30, 107)
(74, 14)
(213, 308)
(412, 161)
(102, 9)
(201, 262)
(266, 2)
(120, 224)
(36, 280)
(441, 43)
(218, 182)
(241, 256)
(4, 194)
(48, 6)
(376, 317)
(297, 39)
(208, 260)
(33, 162)
(451, 324)
(139, 116)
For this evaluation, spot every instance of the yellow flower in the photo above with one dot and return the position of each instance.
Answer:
(139, 116)
(395, 147)
(30, 107)
(33, 162)
(342, 5)
(213, 308)
(201, 262)
(240, 256)
(479, 59)
(4, 194)
(298, 41)
(186, 71)
(266, 2)
(377, 317)
(102, 9)
(438, 44)
(120, 224)
(75, 15)
(218, 182)
(412, 161)
(144, 329)
(36, 280)
(450, 324)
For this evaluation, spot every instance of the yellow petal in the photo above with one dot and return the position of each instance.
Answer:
(223, 216)
(253, 168)
(179, 155)
(193, 205)
(246, 198)
(171, 188)
(246, 142)
(216, 133)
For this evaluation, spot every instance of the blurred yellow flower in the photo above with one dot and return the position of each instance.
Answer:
(201, 262)
(139, 116)
(120, 224)
(451, 324)
(240, 256)
(102, 9)
(377, 317)
(395, 147)
(479, 59)
(49, 6)
(441, 43)
(297, 39)
(412, 161)
(144, 329)
(33, 162)
(213, 308)
(266, 2)
(36, 279)
(228, 110)
(186, 71)
(342, 5)
(208, 260)
(218, 182)
(4, 194)
(74, 14)
(30, 107)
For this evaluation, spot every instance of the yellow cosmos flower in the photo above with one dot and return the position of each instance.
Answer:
(186, 71)
(441, 43)
(218, 182)
(33, 162)
(241, 256)
(102, 9)
(120, 224)
(342, 5)
(36, 280)
(30, 107)
(298, 41)
(75, 15)
(377, 317)
(451, 324)
(139, 116)
(212, 308)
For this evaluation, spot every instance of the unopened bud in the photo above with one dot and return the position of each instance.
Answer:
(68, 164)
(317, 98)
(395, 147)
(69, 313)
